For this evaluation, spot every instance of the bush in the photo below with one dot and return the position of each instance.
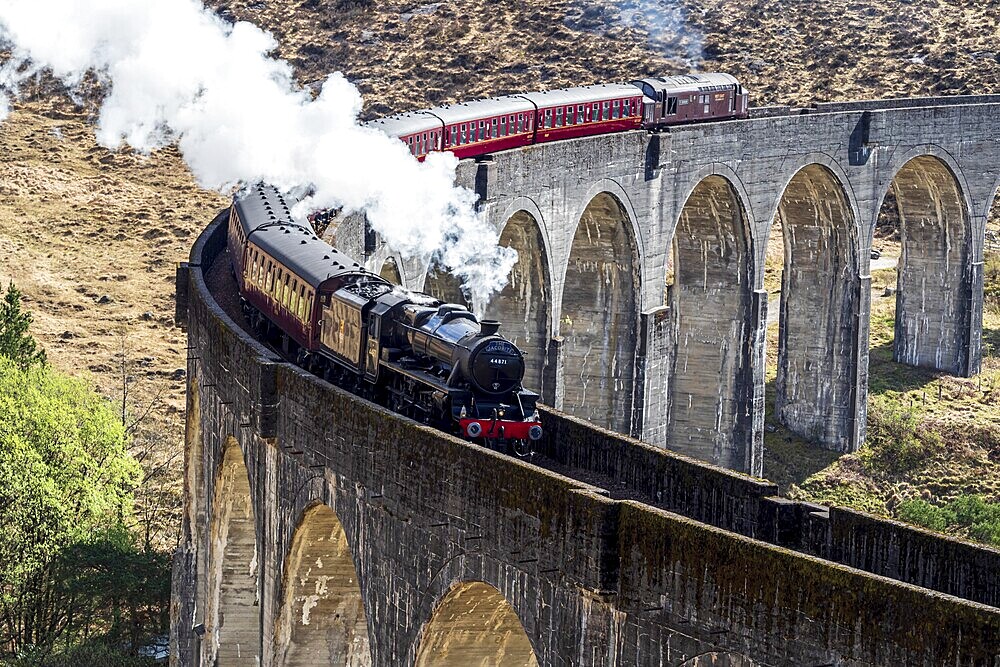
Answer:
(922, 513)
(896, 441)
(971, 515)
(90, 654)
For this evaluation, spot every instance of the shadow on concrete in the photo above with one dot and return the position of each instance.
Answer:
(885, 375)
(789, 458)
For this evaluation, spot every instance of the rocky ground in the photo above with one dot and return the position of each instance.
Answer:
(92, 237)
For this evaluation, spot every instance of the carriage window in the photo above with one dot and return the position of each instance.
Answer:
(671, 106)
(595, 113)
(559, 116)
(520, 123)
(606, 111)
(464, 136)
(302, 303)
(293, 297)
(269, 277)
(503, 126)
(614, 109)
(708, 109)
(579, 114)
(548, 118)
(569, 115)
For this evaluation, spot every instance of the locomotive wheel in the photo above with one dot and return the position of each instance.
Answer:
(521, 448)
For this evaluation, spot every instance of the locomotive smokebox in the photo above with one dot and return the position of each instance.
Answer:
(488, 327)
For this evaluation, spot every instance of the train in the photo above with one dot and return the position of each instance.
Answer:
(476, 128)
(432, 361)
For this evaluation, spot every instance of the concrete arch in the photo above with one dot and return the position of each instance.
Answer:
(524, 306)
(924, 150)
(719, 660)
(818, 393)
(710, 412)
(794, 168)
(444, 286)
(611, 187)
(474, 624)
(322, 619)
(993, 204)
(232, 621)
(391, 272)
(600, 316)
(935, 273)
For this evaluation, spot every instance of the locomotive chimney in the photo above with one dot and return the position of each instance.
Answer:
(488, 327)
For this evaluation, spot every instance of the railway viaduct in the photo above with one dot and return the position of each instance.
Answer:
(639, 295)
(320, 529)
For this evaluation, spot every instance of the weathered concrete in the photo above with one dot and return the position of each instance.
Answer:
(613, 210)
(372, 532)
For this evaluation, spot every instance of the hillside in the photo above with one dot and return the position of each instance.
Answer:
(92, 237)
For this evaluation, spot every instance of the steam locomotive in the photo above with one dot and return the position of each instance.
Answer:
(471, 129)
(434, 362)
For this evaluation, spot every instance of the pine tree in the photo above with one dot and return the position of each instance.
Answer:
(16, 342)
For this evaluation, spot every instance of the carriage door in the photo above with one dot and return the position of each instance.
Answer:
(372, 347)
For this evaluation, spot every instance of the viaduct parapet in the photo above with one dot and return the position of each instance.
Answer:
(639, 295)
(320, 529)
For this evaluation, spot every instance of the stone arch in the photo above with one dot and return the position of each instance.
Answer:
(934, 274)
(232, 622)
(444, 286)
(474, 624)
(719, 660)
(818, 393)
(322, 619)
(524, 306)
(710, 413)
(390, 271)
(600, 316)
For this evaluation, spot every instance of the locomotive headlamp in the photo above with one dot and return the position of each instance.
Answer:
(535, 432)
(474, 430)
(462, 414)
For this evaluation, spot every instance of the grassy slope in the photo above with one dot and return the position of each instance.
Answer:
(78, 223)
(931, 436)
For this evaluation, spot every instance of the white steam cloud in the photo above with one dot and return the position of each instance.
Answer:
(176, 72)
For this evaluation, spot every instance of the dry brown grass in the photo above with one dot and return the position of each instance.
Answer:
(78, 223)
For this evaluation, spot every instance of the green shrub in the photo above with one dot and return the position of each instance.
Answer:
(971, 515)
(922, 513)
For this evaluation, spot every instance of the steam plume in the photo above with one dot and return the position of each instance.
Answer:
(176, 72)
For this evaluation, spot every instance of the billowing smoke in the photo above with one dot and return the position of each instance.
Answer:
(664, 23)
(175, 72)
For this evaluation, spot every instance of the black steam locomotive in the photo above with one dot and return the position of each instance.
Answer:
(434, 362)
